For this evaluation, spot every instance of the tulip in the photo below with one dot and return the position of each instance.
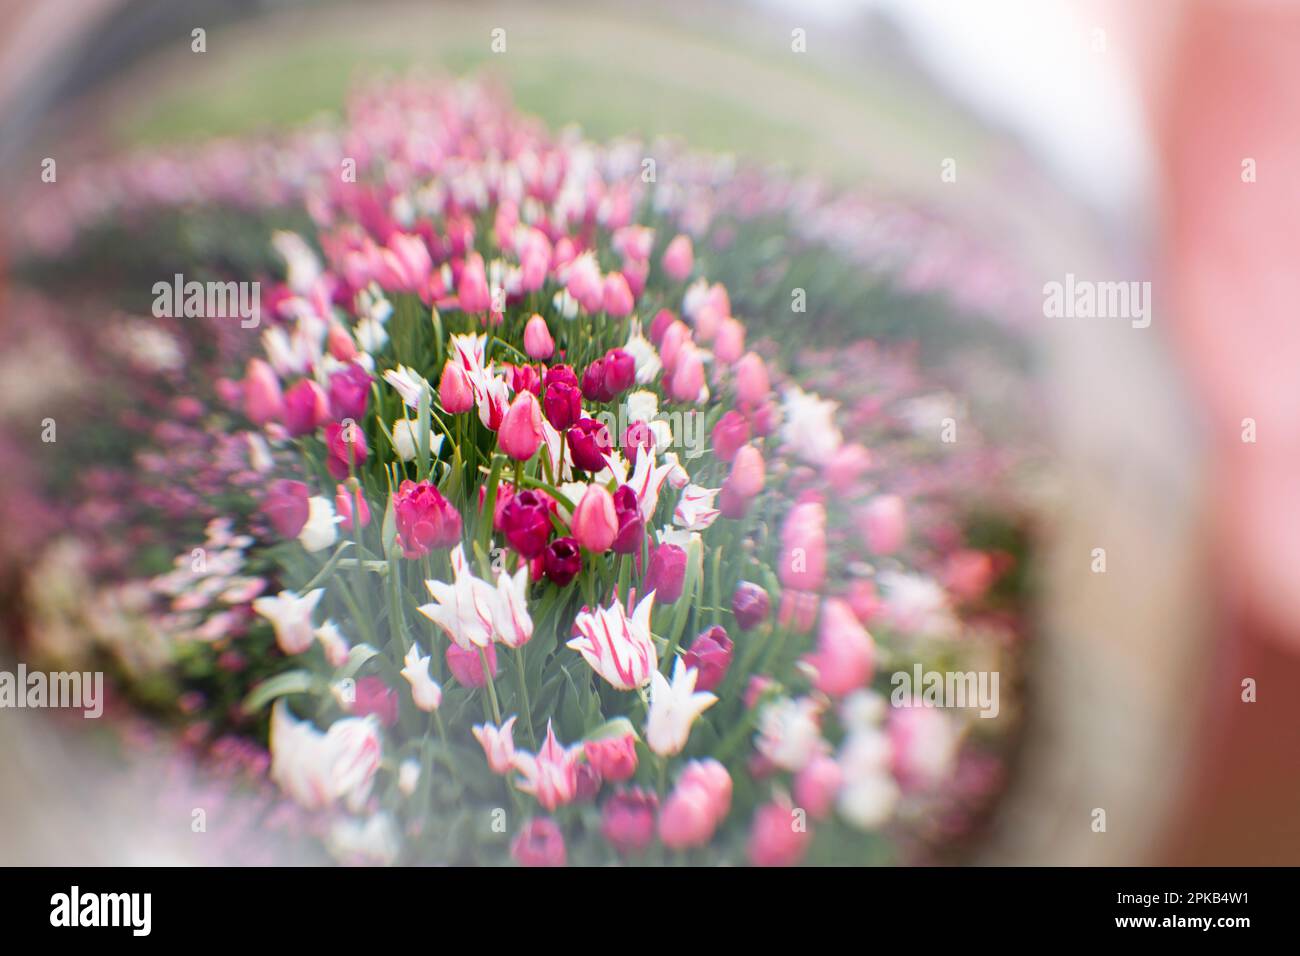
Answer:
(616, 296)
(774, 839)
(710, 654)
(589, 443)
(614, 758)
(347, 448)
(688, 376)
(317, 769)
(817, 786)
(306, 406)
(584, 282)
(562, 403)
(695, 510)
(319, 532)
(593, 382)
(729, 434)
(884, 524)
(526, 523)
(679, 258)
(595, 523)
(290, 615)
(730, 342)
(663, 318)
(752, 386)
(631, 524)
(538, 343)
(472, 289)
(619, 372)
(524, 378)
(687, 819)
(923, 746)
(674, 338)
(372, 697)
(344, 495)
(747, 472)
(711, 777)
(628, 820)
(498, 745)
(750, 604)
(550, 775)
(339, 342)
(673, 709)
(285, 506)
(845, 654)
(803, 547)
(588, 783)
(666, 573)
(466, 666)
(349, 392)
(557, 374)
(406, 440)
(425, 519)
(846, 466)
(798, 610)
(261, 389)
(463, 608)
(562, 560)
(618, 648)
(425, 692)
(540, 843)
(732, 504)
(454, 391)
(510, 617)
(520, 434)
(708, 320)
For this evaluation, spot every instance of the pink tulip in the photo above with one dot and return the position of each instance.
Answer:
(584, 283)
(521, 434)
(466, 666)
(688, 378)
(537, 339)
(846, 466)
(752, 386)
(472, 291)
(306, 407)
(663, 318)
(817, 785)
(628, 820)
(534, 259)
(747, 472)
(540, 843)
(595, 521)
(687, 818)
(343, 499)
(707, 323)
(729, 345)
(617, 296)
(776, 839)
(498, 744)
(679, 258)
(550, 775)
(711, 777)
(674, 336)
(845, 655)
(884, 524)
(454, 391)
(729, 434)
(614, 758)
(803, 547)
(262, 399)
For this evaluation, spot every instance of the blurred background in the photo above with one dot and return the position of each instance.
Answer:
(1104, 140)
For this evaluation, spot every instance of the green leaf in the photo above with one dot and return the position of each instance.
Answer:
(281, 685)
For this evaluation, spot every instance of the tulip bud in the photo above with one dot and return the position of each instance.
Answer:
(620, 372)
(562, 403)
(752, 386)
(711, 777)
(686, 819)
(707, 323)
(472, 289)
(628, 820)
(710, 654)
(594, 388)
(729, 434)
(774, 840)
(454, 391)
(803, 547)
(425, 519)
(663, 318)
(617, 298)
(666, 573)
(349, 393)
(467, 667)
(561, 561)
(817, 785)
(631, 525)
(526, 523)
(344, 496)
(845, 655)
(589, 443)
(305, 407)
(540, 843)
(595, 523)
(730, 342)
(285, 506)
(688, 377)
(537, 339)
(561, 373)
(750, 604)
(524, 378)
(614, 758)
(675, 336)
(262, 399)
(846, 466)
(679, 258)
(520, 434)
(747, 472)
(347, 448)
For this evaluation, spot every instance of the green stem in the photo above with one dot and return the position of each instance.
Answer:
(491, 686)
(523, 696)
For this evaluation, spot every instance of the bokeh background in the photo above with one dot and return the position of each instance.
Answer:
(1089, 138)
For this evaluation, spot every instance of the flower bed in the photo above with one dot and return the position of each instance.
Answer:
(513, 544)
